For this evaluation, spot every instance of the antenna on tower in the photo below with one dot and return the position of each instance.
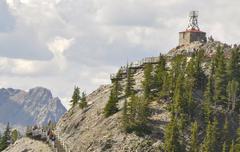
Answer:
(193, 21)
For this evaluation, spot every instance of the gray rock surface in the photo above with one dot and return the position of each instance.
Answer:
(28, 145)
(21, 108)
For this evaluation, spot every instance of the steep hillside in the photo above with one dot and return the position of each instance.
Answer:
(88, 129)
(197, 92)
(21, 108)
(28, 145)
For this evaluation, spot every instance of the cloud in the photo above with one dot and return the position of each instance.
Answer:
(62, 43)
(7, 19)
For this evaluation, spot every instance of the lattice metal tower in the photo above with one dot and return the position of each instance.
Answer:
(193, 21)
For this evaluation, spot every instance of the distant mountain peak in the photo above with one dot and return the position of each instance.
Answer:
(36, 106)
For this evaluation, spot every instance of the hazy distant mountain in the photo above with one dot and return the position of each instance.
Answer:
(21, 108)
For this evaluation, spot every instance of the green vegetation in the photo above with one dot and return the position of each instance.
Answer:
(199, 90)
(6, 138)
(78, 98)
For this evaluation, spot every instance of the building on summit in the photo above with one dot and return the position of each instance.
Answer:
(192, 33)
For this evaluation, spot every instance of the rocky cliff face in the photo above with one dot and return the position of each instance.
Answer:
(88, 129)
(21, 108)
(28, 145)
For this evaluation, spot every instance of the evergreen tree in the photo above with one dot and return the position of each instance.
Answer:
(172, 137)
(179, 101)
(208, 96)
(224, 147)
(220, 78)
(125, 117)
(15, 135)
(111, 106)
(232, 90)
(225, 135)
(130, 83)
(160, 74)
(83, 101)
(178, 66)
(147, 83)
(200, 77)
(75, 97)
(194, 138)
(233, 70)
(210, 140)
(135, 115)
(233, 148)
(6, 138)
(237, 142)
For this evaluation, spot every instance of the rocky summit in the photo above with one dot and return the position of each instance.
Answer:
(26, 108)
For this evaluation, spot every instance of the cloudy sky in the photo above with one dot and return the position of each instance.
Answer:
(61, 43)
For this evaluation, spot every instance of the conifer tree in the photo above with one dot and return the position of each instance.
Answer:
(210, 142)
(83, 100)
(179, 101)
(208, 95)
(220, 78)
(233, 70)
(237, 142)
(5, 140)
(147, 83)
(199, 72)
(135, 114)
(225, 136)
(172, 137)
(224, 147)
(190, 81)
(233, 148)
(111, 106)
(125, 117)
(15, 135)
(178, 66)
(130, 83)
(160, 74)
(194, 138)
(232, 90)
(75, 97)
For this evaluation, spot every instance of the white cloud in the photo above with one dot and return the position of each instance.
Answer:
(62, 43)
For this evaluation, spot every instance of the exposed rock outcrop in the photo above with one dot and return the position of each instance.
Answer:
(28, 145)
(21, 108)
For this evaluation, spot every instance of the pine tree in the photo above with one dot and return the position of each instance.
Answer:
(6, 138)
(224, 147)
(135, 115)
(179, 101)
(237, 142)
(147, 83)
(125, 117)
(225, 135)
(15, 135)
(83, 101)
(172, 141)
(178, 66)
(199, 72)
(130, 83)
(194, 138)
(111, 106)
(220, 78)
(233, 70)
(210, 140)
(75, 97)
(160, 74)
(233, 148)
(232, 90)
